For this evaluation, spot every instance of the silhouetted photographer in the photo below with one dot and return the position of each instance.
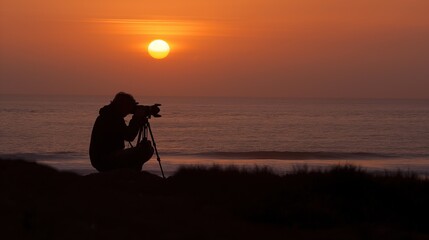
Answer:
(107, 149)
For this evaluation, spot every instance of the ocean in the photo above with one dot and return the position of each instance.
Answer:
(281, 134)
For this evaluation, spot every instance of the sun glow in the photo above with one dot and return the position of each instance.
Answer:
(158, 49)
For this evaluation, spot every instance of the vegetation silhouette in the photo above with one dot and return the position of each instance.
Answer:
(344, 202)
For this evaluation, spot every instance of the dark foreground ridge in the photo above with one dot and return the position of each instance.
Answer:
(38, 202)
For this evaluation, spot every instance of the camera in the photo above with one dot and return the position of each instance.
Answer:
(147, 111)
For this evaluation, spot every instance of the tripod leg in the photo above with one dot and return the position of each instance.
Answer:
(156, 150)
(139, 136)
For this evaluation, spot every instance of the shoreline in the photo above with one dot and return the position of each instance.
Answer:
(171, 164)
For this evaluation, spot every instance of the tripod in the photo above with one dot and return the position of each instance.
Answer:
(144, 130)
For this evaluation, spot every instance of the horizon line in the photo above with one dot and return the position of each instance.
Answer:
(215, 96)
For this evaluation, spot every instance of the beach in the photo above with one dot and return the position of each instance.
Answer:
(171, 164)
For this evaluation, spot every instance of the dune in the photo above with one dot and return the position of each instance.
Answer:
(39, 202)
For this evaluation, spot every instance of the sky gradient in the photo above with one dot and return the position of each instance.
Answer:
(259, 48)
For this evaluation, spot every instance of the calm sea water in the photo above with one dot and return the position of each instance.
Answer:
(278, 133)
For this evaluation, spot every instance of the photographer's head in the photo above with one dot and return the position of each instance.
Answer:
(124, 103)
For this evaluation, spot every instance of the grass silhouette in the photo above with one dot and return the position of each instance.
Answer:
(344, 202)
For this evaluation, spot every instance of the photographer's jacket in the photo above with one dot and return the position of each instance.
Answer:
(109, 134)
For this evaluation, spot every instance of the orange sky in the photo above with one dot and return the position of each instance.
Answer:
(280, 48)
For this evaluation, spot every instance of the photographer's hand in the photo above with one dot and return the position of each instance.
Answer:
(140, 113)
(139, 118)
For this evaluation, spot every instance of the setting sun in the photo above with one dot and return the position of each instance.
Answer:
(158, 49)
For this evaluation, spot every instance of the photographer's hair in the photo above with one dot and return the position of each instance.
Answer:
(123, 98)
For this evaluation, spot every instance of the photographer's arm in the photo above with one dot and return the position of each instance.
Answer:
(132, 129)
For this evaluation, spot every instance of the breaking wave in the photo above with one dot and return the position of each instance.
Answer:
(287, 155)
(276, 155)
(42, 156)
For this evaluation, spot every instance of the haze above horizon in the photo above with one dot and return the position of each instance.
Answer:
(254, 48)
